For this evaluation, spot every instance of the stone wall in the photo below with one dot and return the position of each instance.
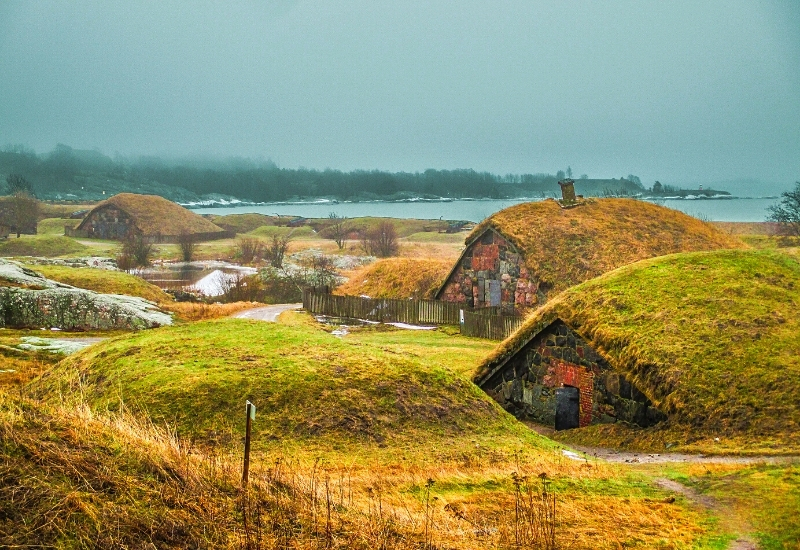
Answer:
(491, 273)
(107, 223)
(525, 385)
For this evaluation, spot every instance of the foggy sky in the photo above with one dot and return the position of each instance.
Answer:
(681, 91)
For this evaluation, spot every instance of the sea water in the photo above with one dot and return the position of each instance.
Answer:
(720, 210)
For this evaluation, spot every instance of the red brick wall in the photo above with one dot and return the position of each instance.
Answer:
(567, 374)
(491, 257)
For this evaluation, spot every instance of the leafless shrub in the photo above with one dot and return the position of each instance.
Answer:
(381, 240)
(338, 230)
(136, 252)
(238, 287)
(248, 249)
(276, 250)
(187, 243)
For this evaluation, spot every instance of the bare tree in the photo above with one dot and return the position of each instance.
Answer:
(338, 230)
(23, 211)
(187, 242)
(248, 249)
(276, 250)
(380, 240)
(136, 252)
(787, 212)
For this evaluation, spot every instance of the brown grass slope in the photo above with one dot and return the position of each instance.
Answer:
(564, 247)
(713, 339)
(398, 278)
(157, 215)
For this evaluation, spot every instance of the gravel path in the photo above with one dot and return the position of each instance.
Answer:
(266, 313)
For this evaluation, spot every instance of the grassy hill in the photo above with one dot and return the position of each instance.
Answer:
(397, 278)
(713, 339)
(380, 429)
(309, 386)
(564, 247)
(42, 245)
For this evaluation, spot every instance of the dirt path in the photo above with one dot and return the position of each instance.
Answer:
(267, 313)
(729, 520)
(612, 455)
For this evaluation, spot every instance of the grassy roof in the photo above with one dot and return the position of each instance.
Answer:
(156, 215)
(397, 278)
(564, 247)
(713, 339)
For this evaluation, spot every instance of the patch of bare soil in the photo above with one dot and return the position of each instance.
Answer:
(612, 455)
(729, 519)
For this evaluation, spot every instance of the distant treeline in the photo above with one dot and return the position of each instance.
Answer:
(67, 173)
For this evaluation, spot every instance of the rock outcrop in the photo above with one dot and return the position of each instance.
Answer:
(27, 299)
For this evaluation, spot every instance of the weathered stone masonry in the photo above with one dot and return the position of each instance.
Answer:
(491, 273)
(525, 385)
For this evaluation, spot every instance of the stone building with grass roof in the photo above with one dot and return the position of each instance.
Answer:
(519, 256)
(155, 218)
(706, 340)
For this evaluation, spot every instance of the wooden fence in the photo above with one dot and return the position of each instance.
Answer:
(491, 326)
(482, 323)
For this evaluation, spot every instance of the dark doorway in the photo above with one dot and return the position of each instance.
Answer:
(568, 408)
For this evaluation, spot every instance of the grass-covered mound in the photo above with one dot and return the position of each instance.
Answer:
(104, 281)
(309, 386)
(713, 339)
(566, 246)
(47, 246)
(156, 216)
(396, 278)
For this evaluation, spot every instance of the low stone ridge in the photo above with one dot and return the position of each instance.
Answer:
(35, 301)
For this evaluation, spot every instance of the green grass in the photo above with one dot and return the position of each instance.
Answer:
(712, 338)
(269, 231)
(48, 246)
(54, 226)
(104, 281)
(311, 387)
(768, 496)
(435, 237)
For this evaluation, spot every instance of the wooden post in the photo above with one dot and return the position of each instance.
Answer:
(250, 411)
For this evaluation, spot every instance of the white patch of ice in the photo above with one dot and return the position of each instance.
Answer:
(571, 455)
(52, 345)
(410, 327)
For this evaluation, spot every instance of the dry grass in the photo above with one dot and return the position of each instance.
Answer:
(710, 338)
(76, 478)
(155, 215)
(190, 311)
(747, 228)
(563, 247)
(396, 278)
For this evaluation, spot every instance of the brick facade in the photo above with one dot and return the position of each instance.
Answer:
(491, 273)
(525, 384)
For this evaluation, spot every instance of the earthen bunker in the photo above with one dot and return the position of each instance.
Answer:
(520, 256)
(553, 376)
(155, 218)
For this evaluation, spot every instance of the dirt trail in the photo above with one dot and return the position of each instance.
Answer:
(268, 313)
(612, 455)
(729, 520)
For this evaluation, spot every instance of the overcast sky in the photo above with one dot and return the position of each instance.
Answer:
(681, 91)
